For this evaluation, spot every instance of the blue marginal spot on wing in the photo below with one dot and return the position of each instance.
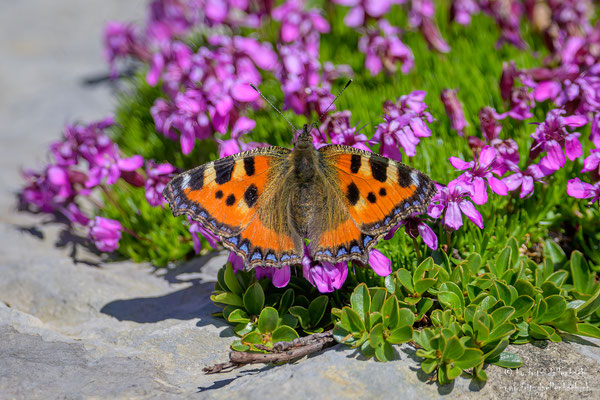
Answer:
(244, 247)
(397, 211)
(415, 203)
(203, 214)
(355, 249)
(233, 240)
(327, 252)
(341, 252)
(177, 200)
(194, 208)
(256, 255)
(285, 257)
(387, 220)
(271, 257)
(367, 239)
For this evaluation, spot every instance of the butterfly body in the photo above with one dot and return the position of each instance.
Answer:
(265, 202)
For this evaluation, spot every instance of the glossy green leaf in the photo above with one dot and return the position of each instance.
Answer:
(352, 321)
(405, 278)
(567, 322)
(227, 298)
(231, 280)
(506, 360)
(474, 263)
(558, 278)
(238, 316)
(422, 285)
(377, 298)
(450, 299)
(252, 338)
(361, 303)
(501, 315)
(523, 304)
(590, 330)
(469, 359)
(367, 350)
(268, 319)
(385, 352)
(254, 299)
(376, 336)
(405, 317)
(555, 253)
(429, 365)
(580, 272)
(421, 271)
(502, 262)
(390, 312)
(401, 335)
(239, 346)
(304, 317)
(317, 308)
(503, 291)
(524, 287)
(454, 349)
(556, 305)
(287, 300)
(590, 306)
(284, 334)
(501, 331)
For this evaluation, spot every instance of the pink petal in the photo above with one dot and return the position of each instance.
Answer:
(355, 17)
(460, 164)
(131, 163)
(573, 146)
(546, 90)
(373, 63)
(281, 276)
(380, 263)
(471, 212)
(513, 181)
(591, 162)
(575, 120)
(377, 8)
(244, 92)
(555, 158)
(453, 218)
(498, 186)
(527, 187)
(578, 189)
(428, 236)
(479, 191)
(487, 156)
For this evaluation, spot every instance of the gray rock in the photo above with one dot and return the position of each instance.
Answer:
(73, 325)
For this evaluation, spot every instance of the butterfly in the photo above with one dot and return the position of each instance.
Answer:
(265, 202)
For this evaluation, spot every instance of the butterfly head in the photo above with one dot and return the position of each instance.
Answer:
(304, 139)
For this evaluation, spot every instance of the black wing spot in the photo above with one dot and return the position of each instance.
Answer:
(352, 193)
(224, 170)
(219, 194)
(230, 200)
(197, 179)
(355, 162)
(404, 178)
(379, 168)
(371, 197)
(249, 166)
(382, 192)
(251, 195)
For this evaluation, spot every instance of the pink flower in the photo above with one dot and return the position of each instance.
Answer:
(383, 49)
(592, 162)
(582, 190)
(454, 109)
(451, 202)
(415, 227)
(479, 172)
(524, 179)
(363, 9)
(105, 233)
(552, 134)
(157, 178)
(326, 277)
(197, 230)
(337, 127)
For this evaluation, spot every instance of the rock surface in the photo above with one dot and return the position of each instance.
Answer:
(72, 326)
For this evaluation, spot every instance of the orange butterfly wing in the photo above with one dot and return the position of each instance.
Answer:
(228, 197)
(377, 193)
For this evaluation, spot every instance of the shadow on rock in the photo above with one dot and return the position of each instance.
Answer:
(189, 303)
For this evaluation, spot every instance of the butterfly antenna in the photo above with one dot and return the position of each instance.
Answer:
(336, 97)
(275, 108)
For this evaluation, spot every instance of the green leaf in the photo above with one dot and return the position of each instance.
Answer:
(558, 278)
(421, 271)
(377, 299)
(317, 308)
(503, 291)
(390, 312)
(352, 321)
(238, 316)
(289, 320)
(454, 349)
(422, 285)
(405, 317)
(506, 360)
(376, 336)
(287, 300)
(423, 306)
(590, 306)
(267, 322)
(239, 346)
(469, 359)
(361, 303)
(555, 253)
(453, 287)
(252, 338)
(556, 305)
(450, 300)
(502, 331)
(496, 350)
(429, 365)
(366, 350)
(501, 315)
(590, 330)
(401, 335)
(567, 322)
(502, 262)
(524, 287)
(254, 299)
(303, 316)
(474, 263)
(538, 332)
(231, 280)
(242, 329)
(227, 298)
(405, 279)
(284, 334)
(580, 272)
(522, 306)
(385, 352)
